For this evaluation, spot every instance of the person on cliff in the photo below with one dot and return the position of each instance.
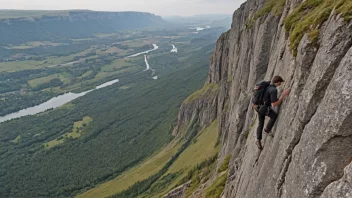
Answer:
(269, 100)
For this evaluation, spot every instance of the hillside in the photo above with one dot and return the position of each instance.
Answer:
(17, 27)
(309, 44)
(108, 132)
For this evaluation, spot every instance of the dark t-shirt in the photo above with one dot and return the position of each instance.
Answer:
(270, 96)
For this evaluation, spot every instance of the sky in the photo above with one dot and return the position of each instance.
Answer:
(159, 7)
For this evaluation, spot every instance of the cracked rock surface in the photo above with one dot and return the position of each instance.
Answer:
(311, 152)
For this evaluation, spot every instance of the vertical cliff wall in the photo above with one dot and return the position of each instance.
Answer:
(311, 151)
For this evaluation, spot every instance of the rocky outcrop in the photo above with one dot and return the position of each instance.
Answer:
(312, 144)
(179, 191)
(203, 103)
(342, 187)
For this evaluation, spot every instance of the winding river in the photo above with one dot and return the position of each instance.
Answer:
(146, 63)
(146, 52)
(67, 97)
(52, 103)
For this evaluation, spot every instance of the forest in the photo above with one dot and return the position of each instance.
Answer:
(47, 156)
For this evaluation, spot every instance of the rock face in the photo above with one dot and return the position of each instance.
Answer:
(178, 192)
(342, 187)
(205, 106)
(311, 151)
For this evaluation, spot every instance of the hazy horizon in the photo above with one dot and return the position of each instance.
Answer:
(158, 7)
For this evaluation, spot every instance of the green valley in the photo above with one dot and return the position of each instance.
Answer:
(92, 144)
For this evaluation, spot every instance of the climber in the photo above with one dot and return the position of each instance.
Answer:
(269, 100)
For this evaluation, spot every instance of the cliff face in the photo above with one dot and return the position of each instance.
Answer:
(311, 151)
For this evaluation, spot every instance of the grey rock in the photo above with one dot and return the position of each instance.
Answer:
(179, 192)
(342, 187)
(311, 151)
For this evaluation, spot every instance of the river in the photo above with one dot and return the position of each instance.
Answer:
(146, 52)
(52, 103)
(67, 97)
(146, 63)
(148, 68)
(174, 49)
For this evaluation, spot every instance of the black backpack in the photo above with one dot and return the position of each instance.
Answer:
(258, 94)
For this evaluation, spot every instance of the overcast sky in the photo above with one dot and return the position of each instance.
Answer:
(159, 7)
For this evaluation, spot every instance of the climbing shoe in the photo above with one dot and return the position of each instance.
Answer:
(268, 133)
(259, 144)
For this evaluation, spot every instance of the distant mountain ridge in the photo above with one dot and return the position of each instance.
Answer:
(12, 14)
(63, 25)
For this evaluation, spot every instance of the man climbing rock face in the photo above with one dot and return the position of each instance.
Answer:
(269, 100)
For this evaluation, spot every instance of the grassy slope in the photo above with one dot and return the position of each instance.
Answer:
(127, 179)
(201, 149)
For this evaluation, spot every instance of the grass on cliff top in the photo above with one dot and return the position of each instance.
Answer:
(308, 17)
(270, 6)
(211, 88)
